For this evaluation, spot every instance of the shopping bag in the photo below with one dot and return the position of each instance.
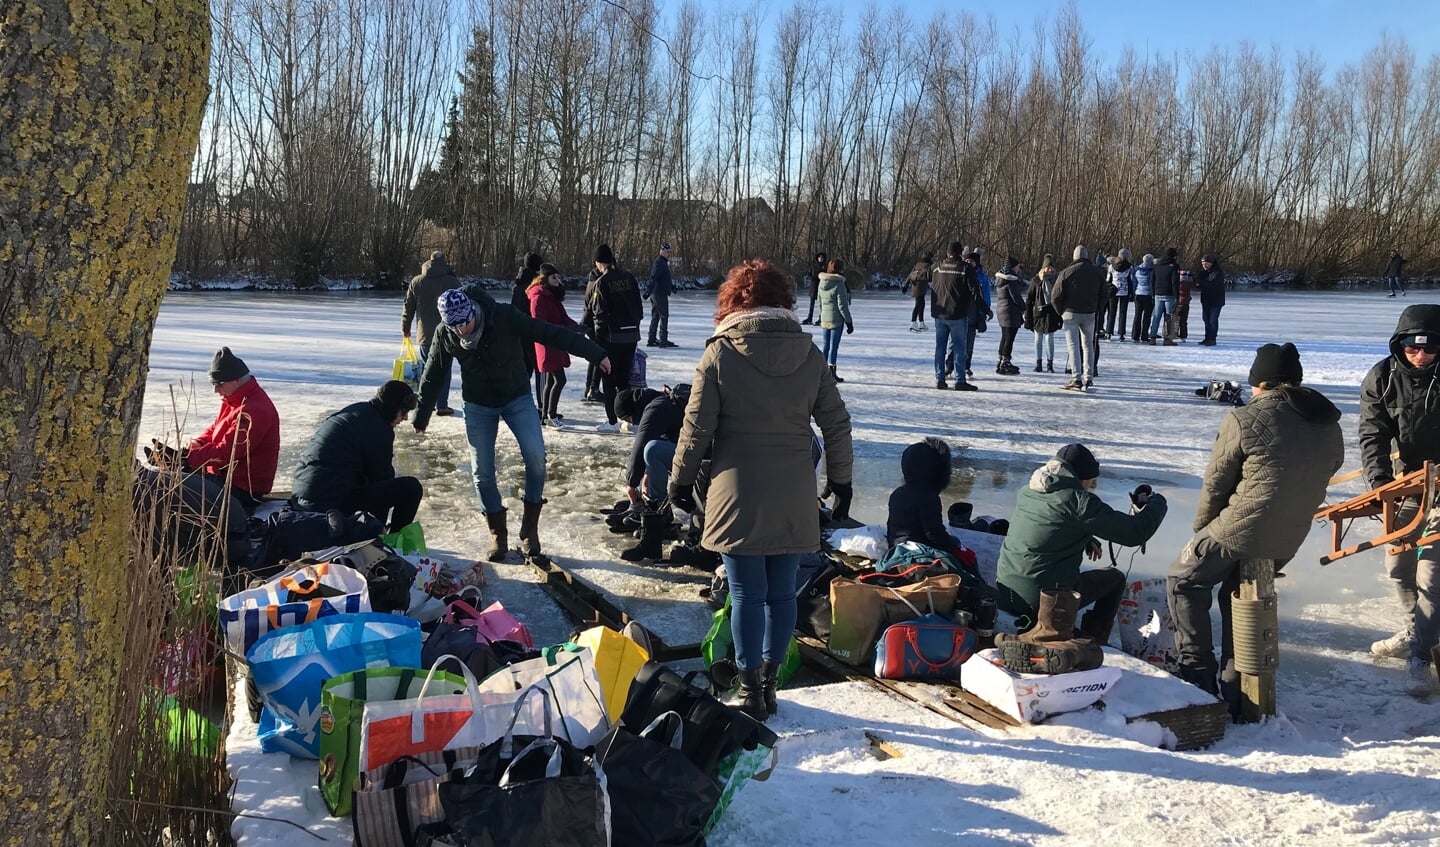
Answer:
(483, 657)
(719, 644)
(658, 798)
(567, 673)
(494, 624)
(408, 367)
(735, 770)
(860, 612)
(929, 647)
(530, 791)
(712, 731)
(1146, 629)
(395, 802)
(408, 540)
(637, 370)
(813, 599)
(432, 722)
(301, 596)
(342, 707)
(290, 667)
(617, 660)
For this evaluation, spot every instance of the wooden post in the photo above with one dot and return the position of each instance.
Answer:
(1257, 691)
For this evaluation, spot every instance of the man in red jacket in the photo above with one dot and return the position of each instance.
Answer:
(243, 443)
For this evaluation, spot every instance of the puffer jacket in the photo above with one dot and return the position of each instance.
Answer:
(1268, 471)
(546, 304)
(422, 296)
(1400, 404)
(915, 512)
(1054, 519)
(1079, 289)
(834, 302)
(1122, 278)
(246, 428)
(1167, 278)
(350, 450)
(1145, 280)
(756, 423)
(1009, 298)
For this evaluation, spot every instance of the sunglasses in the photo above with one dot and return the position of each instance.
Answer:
(1428, 349)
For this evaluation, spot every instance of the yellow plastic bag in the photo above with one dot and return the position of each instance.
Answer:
(408, 366)
(617, 660)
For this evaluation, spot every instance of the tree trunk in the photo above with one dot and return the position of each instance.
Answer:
(99, 117)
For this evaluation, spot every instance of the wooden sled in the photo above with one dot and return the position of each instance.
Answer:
(1384, 501)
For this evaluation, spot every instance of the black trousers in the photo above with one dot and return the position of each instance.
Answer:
(918, 313)
(622, 359)
(1007, 341)
(397, 499)
(554, 385)
(1144, 311)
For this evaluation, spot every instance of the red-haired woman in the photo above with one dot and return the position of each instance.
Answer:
(760, 510)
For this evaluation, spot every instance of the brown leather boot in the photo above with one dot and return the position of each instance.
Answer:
(530, 528)
(499, 536)
(1051, 647)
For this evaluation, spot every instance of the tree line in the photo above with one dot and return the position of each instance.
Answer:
(347, 138)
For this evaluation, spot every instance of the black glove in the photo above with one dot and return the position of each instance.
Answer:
(682, 497)
(844, 492)
(1140, 495)
(849, 328)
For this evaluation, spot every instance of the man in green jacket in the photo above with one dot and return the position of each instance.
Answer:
(1268, 472)
(1057, 521)
(486, 338)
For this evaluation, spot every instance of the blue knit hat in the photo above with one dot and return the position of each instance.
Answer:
(456, 308)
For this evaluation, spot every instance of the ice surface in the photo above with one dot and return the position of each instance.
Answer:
(1353, 760)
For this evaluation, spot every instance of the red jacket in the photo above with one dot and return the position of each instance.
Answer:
(247, 428)
(545, 306)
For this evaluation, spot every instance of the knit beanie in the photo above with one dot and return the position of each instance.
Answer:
(533, 261)
(957, 249)
(1080, 461)
(1080, 253)
(604, 255)
(393, 397)
(1276, 363)
(1048, 260)
(625, 403)
(1171, 253)
(226, 366)
(456, 308)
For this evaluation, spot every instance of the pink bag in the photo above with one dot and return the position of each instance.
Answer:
(493, 624)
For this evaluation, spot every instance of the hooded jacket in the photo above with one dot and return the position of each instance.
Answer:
(421, 296)
(1167, 278)
(1080, 289)
(758, 383)
(492, 373)
(1268, 471)
(918, 281)
(915, 512)
(1009, 298)
(247, 427)
(1400, 404)
(352, 449)
(547, 304)
(1124, 280)
(834, 302)
(1054, 519)
(953, 287)
(1145, 279)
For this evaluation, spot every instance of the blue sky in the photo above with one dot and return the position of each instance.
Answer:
(1339, 31)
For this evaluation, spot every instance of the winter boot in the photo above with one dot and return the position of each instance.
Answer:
(1039, 366)
(656, 520)
(530, 528)
(499, 536)
(769, 679)
(750, 699)
(1097, 627)
(1000, 368)
(832, 373)
(1050, 366)
(1051, 647)
(1396, 646)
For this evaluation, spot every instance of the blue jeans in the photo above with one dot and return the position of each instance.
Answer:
(1397, 285)
(1211, 316)
(442, 400)
(1164, 308)
(482, 423)
(830, 343)
(954, 333)
(658, 455)
(762, 606)
(1041, 340)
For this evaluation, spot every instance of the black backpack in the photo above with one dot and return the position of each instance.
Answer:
(287, 535)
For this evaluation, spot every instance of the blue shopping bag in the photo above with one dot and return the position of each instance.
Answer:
(291, 666)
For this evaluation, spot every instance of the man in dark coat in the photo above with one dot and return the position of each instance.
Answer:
(659, 294)
(435, 279)
(488, 338)
(817, 267)
(348, 464)
(616, 307)
(1212, 297)
(1400, 410)
(954, 287)
(657, 419)
(1395, 273)
(1079, 296)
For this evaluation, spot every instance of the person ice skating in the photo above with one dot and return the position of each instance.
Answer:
(917, 285)
(1165, 286)
(349, 462)
(659, 294)
(1212, 297)
(817, 267)
(1009, 297)
(1395, 273)
(1121, 278)
(616, 310)
(1144, 294)
(834, 312)
(435, 278)
(915, 512)
(1058, 521)
(546, 295)
(1400, 411)
(953, 287)
(757, 386)
(242, 444)
(1078, 295)
(488, 339)
(657, 419)
(1040, 317)
(1268, 471)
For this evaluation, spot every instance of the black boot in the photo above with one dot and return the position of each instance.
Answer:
(530, 528)
(769, 679)
(653, 523)
(499, 536)
(1039, 366)
(751, 697)
(1050, 366)
(832, 373)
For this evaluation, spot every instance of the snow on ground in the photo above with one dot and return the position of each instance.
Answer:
(1352, 760)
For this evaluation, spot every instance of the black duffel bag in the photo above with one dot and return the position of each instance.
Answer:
(711, 730)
